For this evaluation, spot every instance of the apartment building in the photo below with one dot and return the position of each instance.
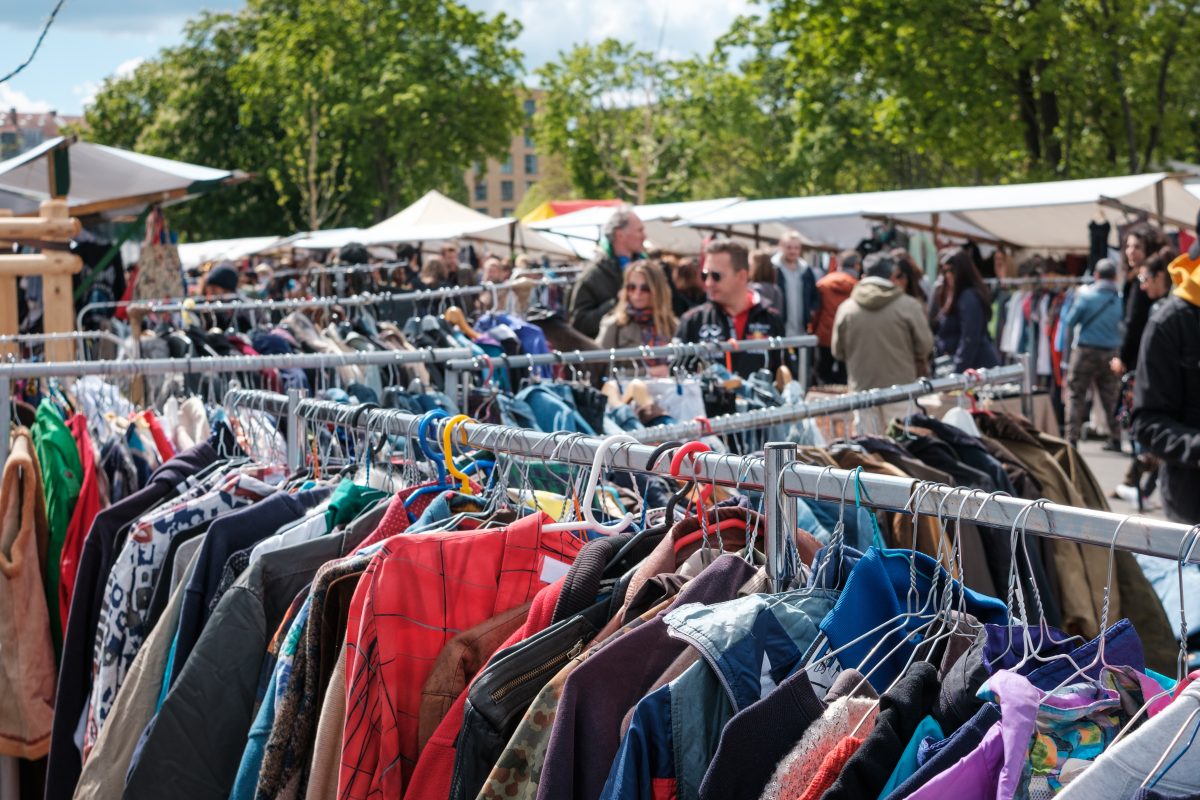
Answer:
(497, 187)
(22, 130)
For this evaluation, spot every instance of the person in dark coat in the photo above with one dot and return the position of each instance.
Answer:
(963, 311)
(1166, 399)
(595, 293)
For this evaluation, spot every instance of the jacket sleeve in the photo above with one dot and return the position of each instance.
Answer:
(1137, 312)
(1075, 310)
(837, 344)
(607, 338)
(1158, 395)
(587, 309)
(974, 329)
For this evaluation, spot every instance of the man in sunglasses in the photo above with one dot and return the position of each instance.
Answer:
(733, 310)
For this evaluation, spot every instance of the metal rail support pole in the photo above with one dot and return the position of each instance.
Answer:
(295, 430)
(777, 510)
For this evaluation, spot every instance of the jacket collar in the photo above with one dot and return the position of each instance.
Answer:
(754, 642)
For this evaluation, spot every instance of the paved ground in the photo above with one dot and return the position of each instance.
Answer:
(1109, 469)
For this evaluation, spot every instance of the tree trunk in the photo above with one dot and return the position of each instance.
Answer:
(1027, 108)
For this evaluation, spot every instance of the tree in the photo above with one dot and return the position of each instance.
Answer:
(614, 114)
(1008, 91)
(553, 184)
(344, 111)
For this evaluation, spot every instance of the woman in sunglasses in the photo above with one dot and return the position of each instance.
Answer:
(643, 314)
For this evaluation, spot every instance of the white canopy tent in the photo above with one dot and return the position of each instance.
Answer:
(1041, 216)
(585, 227)
(194, 254)
(97, 179)
(437, 218)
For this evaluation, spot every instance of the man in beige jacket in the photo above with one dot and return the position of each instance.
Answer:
(880, 332)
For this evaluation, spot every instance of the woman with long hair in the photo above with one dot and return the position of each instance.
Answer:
(1141, 242)
(643, 314)
(963, 312)
(762, 278)
(909, 276)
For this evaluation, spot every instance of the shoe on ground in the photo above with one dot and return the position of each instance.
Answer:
(1127, 493)
(1130, 495)
(1112, 447)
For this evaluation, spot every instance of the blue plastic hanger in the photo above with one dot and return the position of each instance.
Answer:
(443, 483)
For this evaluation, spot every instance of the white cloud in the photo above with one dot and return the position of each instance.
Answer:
(12, 98)
(666, 27)
(86, 92)
(126, 68)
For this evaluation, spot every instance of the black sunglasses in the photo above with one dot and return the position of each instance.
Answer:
(715, 277)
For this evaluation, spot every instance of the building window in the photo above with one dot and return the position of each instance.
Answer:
(482, 210)
(529, 138)
(506, 190)
(530, 108)
(481, 190)
(507, 167)
(506, 212)
(530, 164)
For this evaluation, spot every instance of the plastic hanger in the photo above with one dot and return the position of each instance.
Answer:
(448, 451)
(589, 522)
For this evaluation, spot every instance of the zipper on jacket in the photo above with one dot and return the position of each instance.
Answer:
(502, 690)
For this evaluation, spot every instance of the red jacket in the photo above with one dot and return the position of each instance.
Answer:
(435, 769)
(86, 508)
(417, 593)
(833, 289)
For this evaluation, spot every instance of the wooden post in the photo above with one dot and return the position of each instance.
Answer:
(8, 300)
(54, 224)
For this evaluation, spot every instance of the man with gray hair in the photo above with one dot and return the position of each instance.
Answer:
(880, 331)
(797, 280)
(595, 293)
(1096, 311)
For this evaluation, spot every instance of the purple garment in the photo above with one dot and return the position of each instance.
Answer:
(994, 768)
(587, 727)
(1122, 647)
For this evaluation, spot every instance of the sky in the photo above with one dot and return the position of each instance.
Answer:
(92, 39)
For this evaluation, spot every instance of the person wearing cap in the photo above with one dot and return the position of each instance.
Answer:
(1096, 312)
(1166, 396)
(221, 280)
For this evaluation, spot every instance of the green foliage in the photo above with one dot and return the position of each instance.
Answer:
(346, 112)
(615, 115)
(824, 96)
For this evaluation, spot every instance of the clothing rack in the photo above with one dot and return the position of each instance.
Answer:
(72, 336)
(1049, 281)
(780, 475)
(167, 366)
(672, 351)
(137, 310)
(854, 401)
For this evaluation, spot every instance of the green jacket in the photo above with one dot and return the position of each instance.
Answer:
(62, 479)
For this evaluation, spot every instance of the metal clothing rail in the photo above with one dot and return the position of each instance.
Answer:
(1038, 280)
(167, 366)
(871, 398)
(73, 336)
(674, 350)
(365, 299)
(794, 479)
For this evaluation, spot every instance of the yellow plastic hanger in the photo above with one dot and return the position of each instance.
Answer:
(448, 452)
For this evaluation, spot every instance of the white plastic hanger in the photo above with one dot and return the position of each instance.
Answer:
(589, 521)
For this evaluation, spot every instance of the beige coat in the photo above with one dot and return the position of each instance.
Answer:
(27, 672)
(882, 335)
